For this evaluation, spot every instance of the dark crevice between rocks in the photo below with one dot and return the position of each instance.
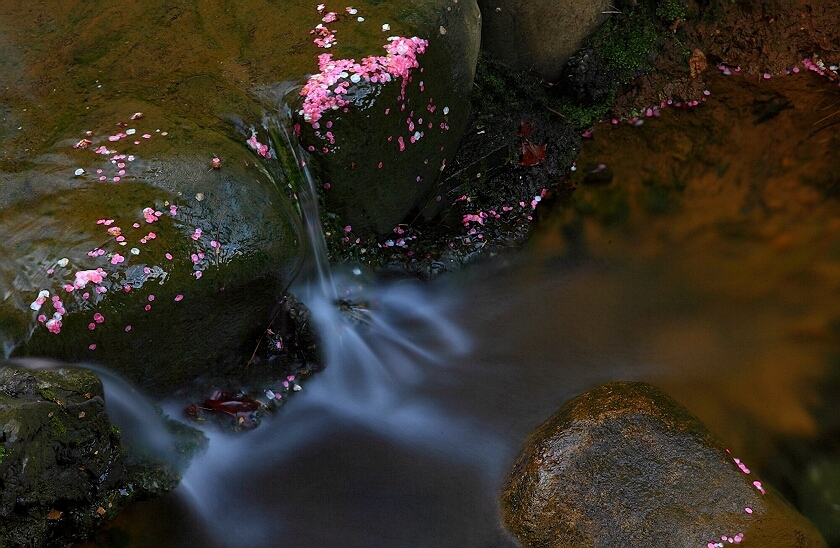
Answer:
(275, 364)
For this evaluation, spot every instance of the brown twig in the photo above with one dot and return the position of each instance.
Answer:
(259, 342)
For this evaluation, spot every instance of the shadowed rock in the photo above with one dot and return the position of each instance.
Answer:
(538, 35)
(167, 273)
(383, 150)
(64, 470)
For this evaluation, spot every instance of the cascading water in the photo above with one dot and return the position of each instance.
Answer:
(384, 345)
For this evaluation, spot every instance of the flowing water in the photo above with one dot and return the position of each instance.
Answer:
(710, 265)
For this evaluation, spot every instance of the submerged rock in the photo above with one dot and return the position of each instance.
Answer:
(539, 35)
(64, 470)
(625, 465)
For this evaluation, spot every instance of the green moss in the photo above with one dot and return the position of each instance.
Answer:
(625, 43)
(671, 10)
(625, 46)
(58, 427)
(582, 116)
(498, 87)
(3, 453)
(47, 393)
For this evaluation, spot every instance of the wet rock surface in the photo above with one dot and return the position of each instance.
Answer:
(191, 291)
(625, 465)
(64, 470)
(381, 125)
(751, 38)
(130, 250)
(539, 35)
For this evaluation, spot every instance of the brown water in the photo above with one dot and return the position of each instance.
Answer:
(709, 265)
(726, 222)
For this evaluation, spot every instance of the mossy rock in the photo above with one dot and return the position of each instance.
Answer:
(383, 150)
(164, 271)
(64, 469)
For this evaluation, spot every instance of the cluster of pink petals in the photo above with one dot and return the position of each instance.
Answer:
(257, 146)
(325, 90)
(742, 466)
(819, 67)
(325, 38)
(54, 324)
(92, 276)
(151, 215)
(724, 540)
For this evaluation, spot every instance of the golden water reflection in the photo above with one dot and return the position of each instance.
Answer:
(725, 221)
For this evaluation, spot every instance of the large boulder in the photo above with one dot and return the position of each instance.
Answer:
(64, 470)
(539, 35)
(204, 62)
(382, 124)
(136, 254)
(625, 465)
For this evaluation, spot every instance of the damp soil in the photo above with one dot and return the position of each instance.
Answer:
(769, 37)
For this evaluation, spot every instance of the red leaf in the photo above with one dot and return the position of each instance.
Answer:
(531, 154)
(525, 129)
(230, 404)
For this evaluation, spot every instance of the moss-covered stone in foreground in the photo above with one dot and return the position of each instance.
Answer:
(64, 470)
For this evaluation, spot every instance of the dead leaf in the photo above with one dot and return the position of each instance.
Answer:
(55, 514)
(697, 63)
(531, 154)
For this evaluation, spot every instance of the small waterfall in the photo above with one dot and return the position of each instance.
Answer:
(316, 264)
(385, 345)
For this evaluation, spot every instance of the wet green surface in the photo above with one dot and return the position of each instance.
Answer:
(204, 75)
(198, 59)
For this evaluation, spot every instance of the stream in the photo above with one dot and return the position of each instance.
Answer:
(708, 263)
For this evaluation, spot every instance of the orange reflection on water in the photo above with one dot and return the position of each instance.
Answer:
(722, 225)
